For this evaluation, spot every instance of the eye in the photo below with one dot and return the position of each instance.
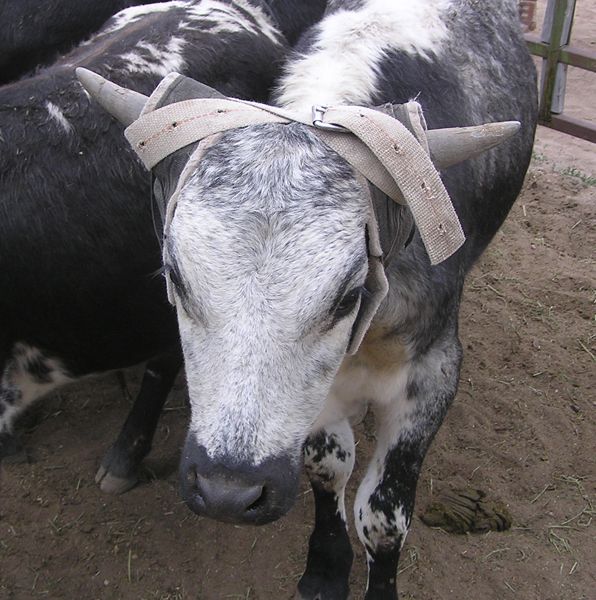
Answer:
(347, 304)
(174, 277)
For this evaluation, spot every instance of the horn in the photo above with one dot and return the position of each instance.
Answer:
(453, 145)
(121, 103)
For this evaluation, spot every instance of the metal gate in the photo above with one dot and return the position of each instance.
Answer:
(553, 45)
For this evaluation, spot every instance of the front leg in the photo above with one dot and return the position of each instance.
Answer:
(118, 470)
(406, 424)
(329, 460)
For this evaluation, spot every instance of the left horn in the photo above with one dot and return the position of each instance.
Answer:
(126, 105)
(454, 145)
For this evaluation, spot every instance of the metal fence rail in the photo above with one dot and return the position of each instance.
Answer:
(553, 46)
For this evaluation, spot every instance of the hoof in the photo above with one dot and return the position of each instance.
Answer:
(111, 484)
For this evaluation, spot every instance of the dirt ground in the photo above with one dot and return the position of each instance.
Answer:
(522, 429)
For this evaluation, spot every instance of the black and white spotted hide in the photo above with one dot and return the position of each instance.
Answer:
(80, 257)
(266, 253)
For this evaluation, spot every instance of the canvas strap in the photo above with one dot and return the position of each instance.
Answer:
(378, 146)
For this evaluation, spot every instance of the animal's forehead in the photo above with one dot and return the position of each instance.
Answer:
(272, 201)
(270, 168)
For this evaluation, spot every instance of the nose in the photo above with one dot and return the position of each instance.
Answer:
(237, 491)
(223, 498)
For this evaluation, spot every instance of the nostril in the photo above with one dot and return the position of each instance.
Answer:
(259, 501)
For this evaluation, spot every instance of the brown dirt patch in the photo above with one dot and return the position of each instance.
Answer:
(521, 429)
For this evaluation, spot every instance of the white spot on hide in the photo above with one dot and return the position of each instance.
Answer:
(343, 64)
(381, 531)
(16, 376)
(333, 469)
(58, 116)
(148, 58)
(134, 13)
(225, 18)
(211, 16)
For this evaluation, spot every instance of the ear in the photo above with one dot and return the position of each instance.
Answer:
(177, 88)
(126, 105)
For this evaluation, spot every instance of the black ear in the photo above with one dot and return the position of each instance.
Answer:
(395, 221)
(175, 88)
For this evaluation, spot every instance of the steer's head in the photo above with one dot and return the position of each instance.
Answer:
(267, 258)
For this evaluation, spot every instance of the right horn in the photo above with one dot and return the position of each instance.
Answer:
(126, 105)
(455, 144)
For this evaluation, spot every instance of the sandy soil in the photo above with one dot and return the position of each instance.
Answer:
(522, 429)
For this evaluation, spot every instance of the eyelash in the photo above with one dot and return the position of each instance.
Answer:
(346, 305)
(171, 273)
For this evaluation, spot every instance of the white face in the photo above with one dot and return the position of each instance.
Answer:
(268, 257)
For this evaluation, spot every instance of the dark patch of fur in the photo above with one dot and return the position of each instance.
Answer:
(293, 17)
(30, 37)
(322, 444)
(78, 250)
(330, 553)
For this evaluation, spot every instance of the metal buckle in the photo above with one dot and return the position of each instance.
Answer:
(318, 113)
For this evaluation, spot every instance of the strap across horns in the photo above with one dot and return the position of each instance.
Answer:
(376, 145)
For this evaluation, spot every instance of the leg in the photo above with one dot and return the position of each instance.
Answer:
(406, 426)
(118, 470)
(27, 375)
(329, 460)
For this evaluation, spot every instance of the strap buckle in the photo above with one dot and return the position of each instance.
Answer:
(318, 114)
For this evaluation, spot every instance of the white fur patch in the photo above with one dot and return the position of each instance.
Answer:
(380, 531)
(342, 67)
(230, 20)
(264, 251)
(358, 383)
(58, 116)
(393, 414)
(148, 58)
(134, 13)
(333, 470)
(211, 15)
(18, 377)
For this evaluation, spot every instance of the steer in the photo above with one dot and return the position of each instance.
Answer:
(79, 259)
(272, 260)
